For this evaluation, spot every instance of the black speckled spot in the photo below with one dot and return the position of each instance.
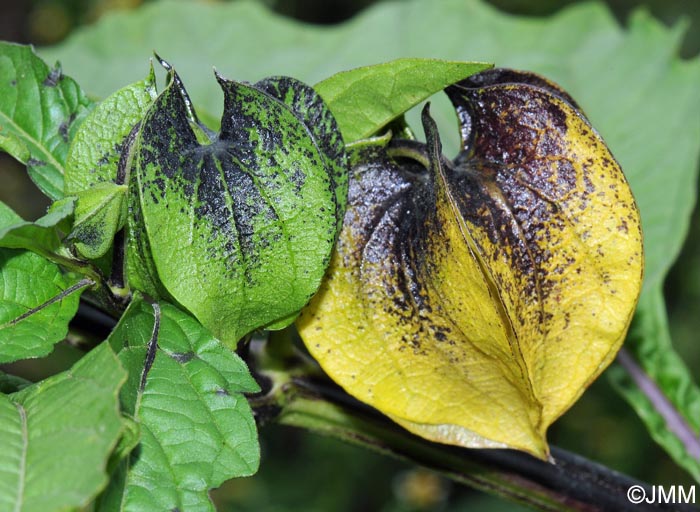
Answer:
(182, 357)
(64, 128)
(55, 75)
(35, 162)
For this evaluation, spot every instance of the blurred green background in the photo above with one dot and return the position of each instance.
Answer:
(303, 472)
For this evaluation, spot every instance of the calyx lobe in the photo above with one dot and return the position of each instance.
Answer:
(239, 225)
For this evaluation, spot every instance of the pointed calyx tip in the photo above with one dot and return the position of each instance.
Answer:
(166, 65)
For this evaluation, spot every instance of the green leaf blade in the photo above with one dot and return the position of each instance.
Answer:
(364, 100)
(59, 434)
(13, 458)
(42, 236)
(29, 282)
(12, 383)
(40, 109)
(197, 428)
(14, 146)
(30, 323)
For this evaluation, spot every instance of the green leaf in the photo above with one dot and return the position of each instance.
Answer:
(37, 300)
(40, 109)
(14, 146)
(240, 230)
(58, 434)
(106, 135)
(12, 383)
(677, 431)
(100, 212)
(42, 236)
(36, 304)
(117, 464)
(185, 390)
(364, 100)
(8, 217)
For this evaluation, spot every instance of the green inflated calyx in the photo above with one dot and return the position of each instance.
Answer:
(238, 230)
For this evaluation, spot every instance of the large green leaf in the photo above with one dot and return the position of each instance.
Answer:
(185, 390)
(40, 109)
(58, 435)
(367, 98)
(240, 229)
